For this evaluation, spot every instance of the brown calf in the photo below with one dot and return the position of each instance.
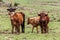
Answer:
(34, 22)
(44, 20)
(17, 20)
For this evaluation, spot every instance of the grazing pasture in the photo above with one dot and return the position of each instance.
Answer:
(31, 8)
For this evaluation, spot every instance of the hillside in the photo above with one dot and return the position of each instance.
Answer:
(36, 6)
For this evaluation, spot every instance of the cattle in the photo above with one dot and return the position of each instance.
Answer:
(17, 20)
(44, 20)
(34, 21)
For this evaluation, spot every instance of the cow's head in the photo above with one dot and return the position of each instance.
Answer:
(43, 16)
(11, 12)
(11, 9)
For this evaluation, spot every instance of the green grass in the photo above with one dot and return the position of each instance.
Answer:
(54, 26)
(54, 31)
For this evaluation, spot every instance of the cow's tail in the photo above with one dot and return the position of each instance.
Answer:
(23, 25)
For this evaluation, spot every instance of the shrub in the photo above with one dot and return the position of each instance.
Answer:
(16, 4)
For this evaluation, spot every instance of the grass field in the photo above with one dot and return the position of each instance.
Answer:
(36, 6)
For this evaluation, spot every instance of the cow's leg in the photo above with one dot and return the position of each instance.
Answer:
(23, 25)
(15, 29)
(12, 26)
(12, 29)
(37, 29)
(18, 29)
(32, 29)
(46, 29)
(23, 28)
(41, 29)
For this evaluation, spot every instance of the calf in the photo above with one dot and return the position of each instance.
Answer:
(44, 20)
(17, 20)
(34, 22)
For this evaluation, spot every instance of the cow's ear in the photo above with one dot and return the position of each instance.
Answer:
(46, 15)
(39, 15)
(8, 9)
(14, 9)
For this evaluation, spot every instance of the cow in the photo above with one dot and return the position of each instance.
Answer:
(17, 20)
(34, 21)
(44, 20)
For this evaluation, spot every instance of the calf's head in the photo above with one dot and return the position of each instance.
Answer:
(11, 12)
(43, 16)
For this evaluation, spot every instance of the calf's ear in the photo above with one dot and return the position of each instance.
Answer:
(14, 9)
(11, 9)
(8, 9)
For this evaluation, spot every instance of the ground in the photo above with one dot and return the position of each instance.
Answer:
(51, 6)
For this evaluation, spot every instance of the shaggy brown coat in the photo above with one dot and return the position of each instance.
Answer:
(44, 20)
(34, 22)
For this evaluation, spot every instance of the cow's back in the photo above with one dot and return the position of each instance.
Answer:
(18, 17)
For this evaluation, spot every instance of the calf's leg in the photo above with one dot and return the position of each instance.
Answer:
(37, 29)
(18, 29)
(12, 29)
(46, 29)
(32, 29)
(23, 28)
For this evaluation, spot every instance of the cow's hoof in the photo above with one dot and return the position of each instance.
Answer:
(23, 32)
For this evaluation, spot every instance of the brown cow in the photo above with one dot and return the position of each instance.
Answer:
(34, 22)
(17, 19)
(44, 20)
